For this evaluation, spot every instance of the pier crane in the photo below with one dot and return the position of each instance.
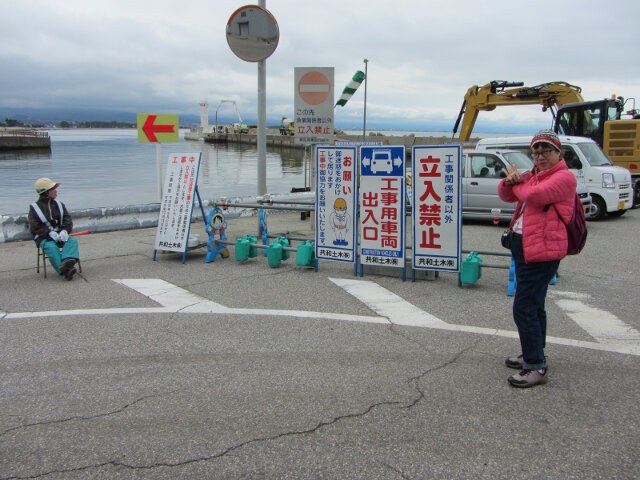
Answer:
(238, 127)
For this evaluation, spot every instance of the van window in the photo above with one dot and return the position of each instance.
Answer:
(595, 156)
(486, 166)
(519, 148)
(519, 159)
(571, 158)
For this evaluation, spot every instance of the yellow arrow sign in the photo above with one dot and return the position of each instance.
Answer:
(157, 128)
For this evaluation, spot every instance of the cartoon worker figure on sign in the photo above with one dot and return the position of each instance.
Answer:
(340, 221)
(216, 225)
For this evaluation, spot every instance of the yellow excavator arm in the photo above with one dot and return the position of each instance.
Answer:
(500, 92)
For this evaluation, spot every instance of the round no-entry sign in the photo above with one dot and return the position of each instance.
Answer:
(314, 87)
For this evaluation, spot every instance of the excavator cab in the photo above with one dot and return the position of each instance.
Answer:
(587, 119)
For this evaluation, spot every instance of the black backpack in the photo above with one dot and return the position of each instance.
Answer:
(576, 227)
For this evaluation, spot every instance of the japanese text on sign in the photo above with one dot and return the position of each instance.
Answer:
(382, 205)
(436, 214)
(335, 203)
(177, 202)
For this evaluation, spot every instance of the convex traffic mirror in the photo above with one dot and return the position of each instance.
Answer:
(252, 33)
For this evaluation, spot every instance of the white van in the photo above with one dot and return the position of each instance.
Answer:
(609, 185)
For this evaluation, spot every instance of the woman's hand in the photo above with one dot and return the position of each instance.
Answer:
(513, 175)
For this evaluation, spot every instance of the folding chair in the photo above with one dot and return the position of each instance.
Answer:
(41, 253)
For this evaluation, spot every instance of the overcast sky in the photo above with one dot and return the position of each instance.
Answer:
(166, 56)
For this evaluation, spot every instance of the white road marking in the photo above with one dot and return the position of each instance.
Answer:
(615, 336)
(574, 295)
(169, 295)
(387, 304)
(174, 299)
(401, 312)
(600, 324)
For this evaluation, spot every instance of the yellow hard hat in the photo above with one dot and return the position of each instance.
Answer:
(44, 185)
(340, 204)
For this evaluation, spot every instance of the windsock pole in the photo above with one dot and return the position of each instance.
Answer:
(364, 118)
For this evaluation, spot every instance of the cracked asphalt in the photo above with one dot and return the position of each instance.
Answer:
(166, 395)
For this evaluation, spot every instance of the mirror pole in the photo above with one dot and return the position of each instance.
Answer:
(262, 120)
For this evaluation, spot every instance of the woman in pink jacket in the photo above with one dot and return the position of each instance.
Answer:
(538, 243)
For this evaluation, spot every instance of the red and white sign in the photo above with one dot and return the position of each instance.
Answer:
(177, 202)
(314, 87)
(313, 103)
(437, 207)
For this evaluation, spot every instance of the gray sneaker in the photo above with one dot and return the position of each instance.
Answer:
(529, 378)
(515, 362)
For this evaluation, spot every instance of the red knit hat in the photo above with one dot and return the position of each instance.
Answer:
(547, 136)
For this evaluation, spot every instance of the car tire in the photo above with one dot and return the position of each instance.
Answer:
(598, 209)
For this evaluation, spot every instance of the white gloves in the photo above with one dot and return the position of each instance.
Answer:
(54, 236)
(64, 236)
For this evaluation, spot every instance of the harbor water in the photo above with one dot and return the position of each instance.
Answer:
(110, 168)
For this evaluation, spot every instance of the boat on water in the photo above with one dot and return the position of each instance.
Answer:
(23, 138)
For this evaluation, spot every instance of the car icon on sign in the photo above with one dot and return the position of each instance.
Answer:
(382, 162)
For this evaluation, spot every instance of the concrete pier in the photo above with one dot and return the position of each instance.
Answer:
(274, 139)
(20, 139)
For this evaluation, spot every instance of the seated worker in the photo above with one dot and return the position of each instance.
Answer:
(50, 224)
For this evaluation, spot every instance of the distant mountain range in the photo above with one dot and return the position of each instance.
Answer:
(53, 116)
(50, 116)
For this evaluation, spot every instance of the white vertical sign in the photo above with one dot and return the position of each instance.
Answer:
(382, 205)
(437, 207)
(178, 195)
(313, 104)
(336, 203)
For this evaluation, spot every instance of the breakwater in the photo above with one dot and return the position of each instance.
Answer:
(21, 139)
(274, 139)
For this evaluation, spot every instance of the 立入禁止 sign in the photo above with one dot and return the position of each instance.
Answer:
(436, 208)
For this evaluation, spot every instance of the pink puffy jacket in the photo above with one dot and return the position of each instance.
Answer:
(544, 236)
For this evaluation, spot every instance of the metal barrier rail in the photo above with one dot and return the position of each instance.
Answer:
(257, 245)
(495, 254)
(285, 202)
(266, 207)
